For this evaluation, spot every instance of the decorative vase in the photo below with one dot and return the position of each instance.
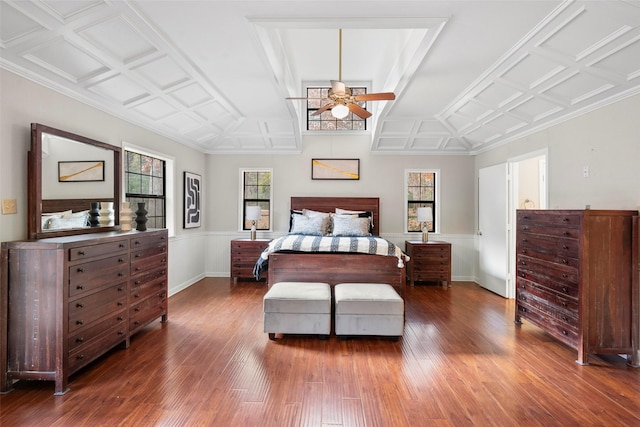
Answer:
(94, 214)
(107, 214)
(126, 216)
(141, 217)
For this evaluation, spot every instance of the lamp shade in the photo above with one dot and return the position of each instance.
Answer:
(425, 215)
(340, 111)
(253, 213)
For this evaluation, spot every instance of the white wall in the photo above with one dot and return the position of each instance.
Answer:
(24, 102)
(380, 176)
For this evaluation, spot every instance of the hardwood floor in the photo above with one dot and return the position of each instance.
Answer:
(462, 361)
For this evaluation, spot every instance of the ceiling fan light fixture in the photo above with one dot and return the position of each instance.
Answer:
(340, 111)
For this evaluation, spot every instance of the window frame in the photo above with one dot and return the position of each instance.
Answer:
(436, 201)
(169, 180)
(241, 200)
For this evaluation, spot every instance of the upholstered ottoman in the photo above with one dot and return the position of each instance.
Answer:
(368, 309)
(298, 308)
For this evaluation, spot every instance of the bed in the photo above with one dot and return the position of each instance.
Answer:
(338, 267)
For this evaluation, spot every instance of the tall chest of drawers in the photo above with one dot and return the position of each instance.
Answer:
(68, 300)
(574, 272)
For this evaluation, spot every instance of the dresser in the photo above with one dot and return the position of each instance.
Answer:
(430, 261)
(244, 254)
(575, 272)
(68, 300)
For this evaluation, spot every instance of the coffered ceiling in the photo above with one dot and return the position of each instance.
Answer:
(214, 75)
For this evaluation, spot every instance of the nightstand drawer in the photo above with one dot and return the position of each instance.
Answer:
(244, 255)
(430, 261)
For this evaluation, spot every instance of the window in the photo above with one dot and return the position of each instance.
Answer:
(144, 178)
(256, 190)
(317, 97)
(421, 190)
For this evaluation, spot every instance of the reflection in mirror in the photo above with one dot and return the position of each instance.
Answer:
(67, 173)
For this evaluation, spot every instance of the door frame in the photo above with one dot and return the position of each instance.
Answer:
(512, 206)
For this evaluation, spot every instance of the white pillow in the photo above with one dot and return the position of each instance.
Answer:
(57, 223)
(44, 219)
(346, 225)
(369, 214)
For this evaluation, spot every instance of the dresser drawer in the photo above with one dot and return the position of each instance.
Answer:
(567, 256)
(562, 279)
(84, 354)
(88, 277)
(147, 310)
(544, 219)
(547, 244)
(148, 288)
(86, 335)
(148, 239)
(84, 311)
(558, 329)
(90, 251)
(144, 265)
(550, 308)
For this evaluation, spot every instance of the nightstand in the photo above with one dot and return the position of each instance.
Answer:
(244, 254)
(430, 261)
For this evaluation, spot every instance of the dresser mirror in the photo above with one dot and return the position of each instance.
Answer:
(67, 173)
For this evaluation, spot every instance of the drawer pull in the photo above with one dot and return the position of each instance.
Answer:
(120, 289)
(524, 251)
(523, 298)
(120, 318)
(136, 309)
(79, 305)
(120, 304)
(565, 332)
(522, 275)
(523, 309)
(566, 233)
(79, 322)
(136, 323)
(525, 217)
(136, 242)
(120, 260)
(121, 245)
(161, 237)
(564, 261)
(80, 270)
(565, 275)
(137, 282)
(120, 274)
(81, 253)
(565, 289)
(523, 263)
(136, 256)
(565, 318)
(164, 249)
(565, 247)
(120, 333)
(564, 304)
(565, 219)
(79, 339)
(80, 287)
(524, 240)
(136, 295)
(80, 357)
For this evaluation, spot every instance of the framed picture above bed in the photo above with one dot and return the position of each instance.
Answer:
(192, 205)
(336, 169)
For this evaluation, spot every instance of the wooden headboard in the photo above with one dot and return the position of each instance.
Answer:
(329, 204)
(76, 205)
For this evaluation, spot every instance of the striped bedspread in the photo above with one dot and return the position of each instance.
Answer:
(299, 243)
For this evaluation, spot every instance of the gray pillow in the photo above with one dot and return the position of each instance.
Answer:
(307, 225)
(346, 225)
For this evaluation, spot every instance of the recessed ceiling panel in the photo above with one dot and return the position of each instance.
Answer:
(120, 89)
(506, 123)
(15, 24)
(397, 126)
(163, 72)
(474, 110)
(279, 126)
(431, 126)
(578, 88)
(532, 70)
(117, 37)
(181, 123)
(536, 109)
(65, 60)
(155, 108)
(66, 10)
(389, 143)
(191, 95)
(498, 95)
(283, 143)
(423, 143)
(624, 60)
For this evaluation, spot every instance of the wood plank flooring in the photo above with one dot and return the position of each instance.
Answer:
(462, 361)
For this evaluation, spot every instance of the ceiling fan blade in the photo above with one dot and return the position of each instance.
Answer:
(323, 109)
(358, 110)
(383, 96)
(338, 88)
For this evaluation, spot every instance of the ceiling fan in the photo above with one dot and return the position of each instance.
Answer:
(340, 99)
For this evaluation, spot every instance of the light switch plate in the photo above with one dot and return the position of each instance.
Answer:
(9, 206)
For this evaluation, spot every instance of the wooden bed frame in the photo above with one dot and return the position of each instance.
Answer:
(337, 268)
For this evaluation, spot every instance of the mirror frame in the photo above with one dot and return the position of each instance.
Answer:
(34, 184)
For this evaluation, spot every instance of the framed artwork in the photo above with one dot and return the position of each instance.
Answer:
(81, 171)
(192, 200)
(347, 169)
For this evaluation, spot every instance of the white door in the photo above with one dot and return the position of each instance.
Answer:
(492, 231)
